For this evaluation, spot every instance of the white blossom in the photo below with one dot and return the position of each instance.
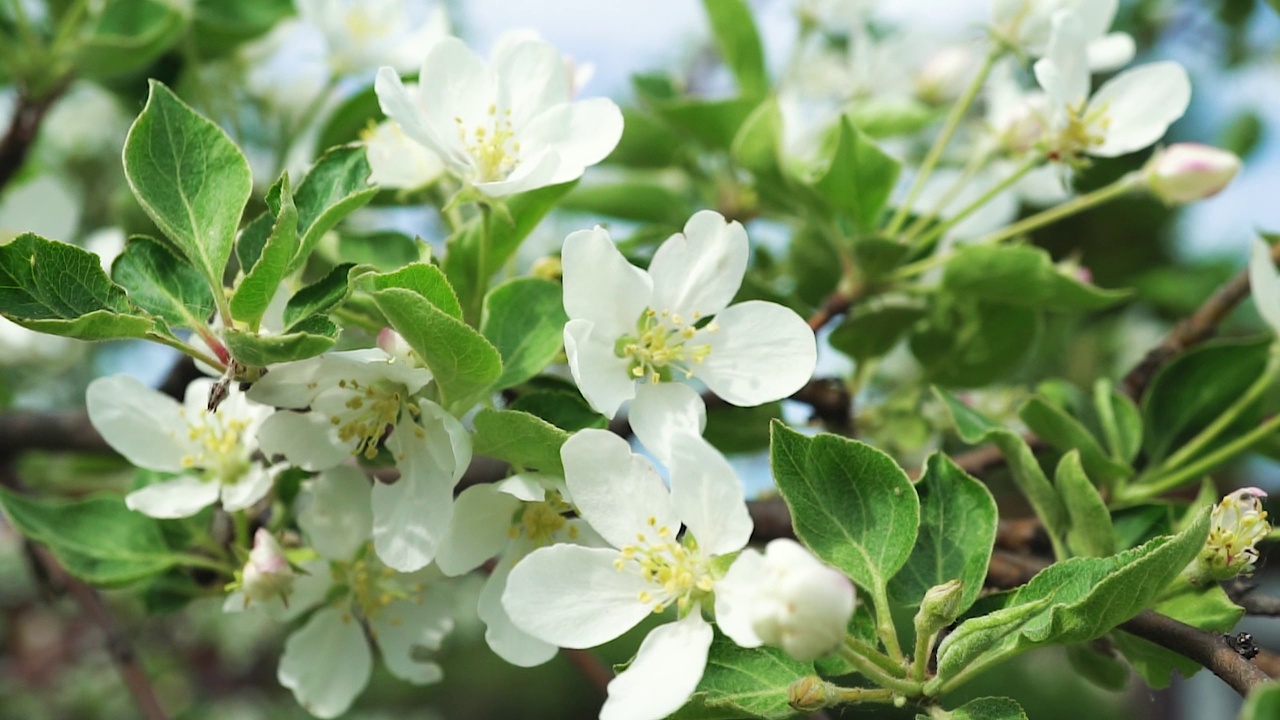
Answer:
(1264, 284)
(212, 452)
(630, 329)
(1187, 172)
(502, 127)
(1238, 523)
(1027, 25)
(267, 574)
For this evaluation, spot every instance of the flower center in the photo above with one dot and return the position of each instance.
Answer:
(1235, 533)
(540, 521)
(678, 571)
(222, 453)
(1083, 131)
(664, 342)
(373, 586)
(492, 144)
(370, 410)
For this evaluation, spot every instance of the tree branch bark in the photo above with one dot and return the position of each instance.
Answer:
(23, 130)
(1208, 649)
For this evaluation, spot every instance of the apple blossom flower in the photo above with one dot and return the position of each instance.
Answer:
(630, 329)
(1027, 25)
(1186, 172)
(355, 401)
(579, 597)
(212, 452)
(791, 600)
(505, 127)
(361, 35)
(395, 161)
(1128, 113)
(1264, 284)
(327, 662)
(267, 574)
(509, 519)
(1237, 524)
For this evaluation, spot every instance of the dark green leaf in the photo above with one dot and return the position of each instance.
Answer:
(756, 146)
(1100, 666)
(860, 177)
(1090, 534)
(739, 43)
(712, 123)
(735, 429)
(336, 186)
(126, 36)
(563, 408)
(741, 682)
(638, 200)
(970, 344)
(222, 25)
(1022, 275)
(163, 284)
(385, 250)
(351, 118)
(872, 329)
(523, 440)
(262, 279)
(1120, 419)
(320, 296)
(308, 338)
(524, 318)
(1064, 432)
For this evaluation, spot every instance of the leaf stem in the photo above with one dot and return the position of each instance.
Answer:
(944, 138)
(482, 261)
(1161, 483)
(851, 696)
(208, 564)
(865, 650)
(885, 628)
(872, 672)
(942, 227)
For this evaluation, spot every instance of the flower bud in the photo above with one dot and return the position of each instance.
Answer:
(944, 75)
(267, 574)
(1237, 524)
(941, 603)
(393, 344)
(1186, 172)
(809, 694)
(802, 606)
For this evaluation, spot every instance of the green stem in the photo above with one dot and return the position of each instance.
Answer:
(920, 661)
(873, 673)
(241, 522)
(851, 696)
(1207, 435)
(885, 628)
(1104, 194)
(976, 163)
(1163, 483)
(942, 227)
(948, 131)
(866, 651)
(482, 262)
(208, 564)
(186, 349)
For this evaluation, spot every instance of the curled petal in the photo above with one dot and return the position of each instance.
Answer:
(407, 627)
(510, 642)
(600, 374)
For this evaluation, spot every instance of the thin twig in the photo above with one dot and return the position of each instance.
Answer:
(1245, 594)
(591, 667)
(1208, 649)
(23, 130)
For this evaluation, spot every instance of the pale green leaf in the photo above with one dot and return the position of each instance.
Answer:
(307, 338)
(1022, 275)
(336, 186)
(262, 279)
(524, 318)
(739, 43)
(860, 177)
(1090, 534)
(523, 440)
(1053, 425)
(424, 279)
(320, 296)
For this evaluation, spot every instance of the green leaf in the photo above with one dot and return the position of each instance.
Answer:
(1206, 608)
(426, 280)
(262, 279)
(464, 363)
(1064, 432)
(386, 250)
(987, 708)
(958, 520)
(1090, 534)
(320, 296)
(1120, 419)
(860, 177)
(308, 338)
(974, 428)
(733, 429)
(850, 503)
(60, 289)
(462, 261)
(1074, 601)
(647, 142)
(1022, 275)
(253, 238)
(739, 43)
(351, 118)
(562, 408)
(1263, 702)
(711, 123)
(163, 284)
(877, 256)
(524, 318)
(96, 538)
(967, 343)
(638, 200)
(814, 265)
(741, 682)
(1193, 390)
(222, 25)
(523, 440)
(336, 186)
(757, 143)
(1102, 667)
(126, 36)
(873, 328)
(189, 178)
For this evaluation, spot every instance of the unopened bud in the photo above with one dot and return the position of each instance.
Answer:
(809, 694)
(1237, 524)
(267, 574)
(943, 76)
(547, 268)
(802, 605)
(1186, 172)
(942, 602)
(393, 344)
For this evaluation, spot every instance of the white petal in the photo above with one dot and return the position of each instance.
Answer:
(709, 497)
(1064, 70)
(252, 487)
(411, 514)
(326, 663)
(701, 269)
(735, 595)
(510, 642)
(1111, 52)
(600, 285)
(454, 84)
(1095, 16)
(289, 385)
(532, 77)
(339, 518)
(180, 497)
(397, 161)
(405, 628)
(145, 426)
(616, 491)
(529, 487)
(666, 671)
(1264, 282)
(581, 134)
(304, 438)
(600, 374)
(537, 170)
(762, 352)
(482, 515)
(572, 596)
(663, 411)
(1140, 105)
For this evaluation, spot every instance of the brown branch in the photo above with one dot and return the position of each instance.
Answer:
(1208, 649)
(23, 430)
(591, 667)
(1192, 331)
(1245, 594)
(23, 130)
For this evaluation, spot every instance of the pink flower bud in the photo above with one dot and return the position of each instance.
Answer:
(1186, 172)
(267, 575)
